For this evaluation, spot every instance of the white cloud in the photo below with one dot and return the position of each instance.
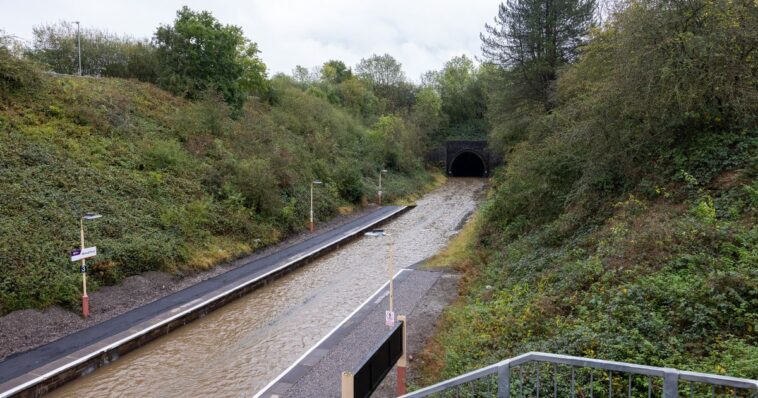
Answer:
(421, 34)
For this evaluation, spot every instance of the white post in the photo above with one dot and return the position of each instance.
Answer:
(391, 268)
(310, 225)
(347, 385)
(85, 298)
(402, 363)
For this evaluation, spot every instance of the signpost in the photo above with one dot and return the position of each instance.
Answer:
(79, 254)
(82, 254)
(389, 318)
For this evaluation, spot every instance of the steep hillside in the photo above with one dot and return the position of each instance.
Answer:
(666, 280)
(181, 185)
(624, 225)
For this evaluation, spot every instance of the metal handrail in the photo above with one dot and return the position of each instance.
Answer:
(671, 377)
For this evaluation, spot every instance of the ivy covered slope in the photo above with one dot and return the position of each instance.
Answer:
(181, 184)
(625, 224)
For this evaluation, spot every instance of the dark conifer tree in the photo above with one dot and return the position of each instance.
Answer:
(533, 38)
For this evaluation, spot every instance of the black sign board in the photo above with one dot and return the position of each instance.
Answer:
(376, 366)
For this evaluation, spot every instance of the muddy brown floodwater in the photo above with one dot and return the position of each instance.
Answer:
(236, 350)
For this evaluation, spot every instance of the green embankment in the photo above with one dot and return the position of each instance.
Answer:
(666, 281)
(625, 223)
(181, 185)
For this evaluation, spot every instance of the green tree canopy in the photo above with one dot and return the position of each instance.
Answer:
(461, 91)
(533, 38)
(198, 53)
(427, 115)
(335, 71)
(385, 75)
(381, 70)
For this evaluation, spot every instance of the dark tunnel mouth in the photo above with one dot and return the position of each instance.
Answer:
(467, 164)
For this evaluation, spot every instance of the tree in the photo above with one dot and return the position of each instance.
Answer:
(427, 114)
(430, 79)
(358, 98)
(534, 38)
(461, 92)
(198, 53)
(302, 75)
(386, 77)
(381, 70)
(395, 142)
(335, 72)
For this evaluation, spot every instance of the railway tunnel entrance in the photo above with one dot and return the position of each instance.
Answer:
(468, 164)
(469, 158)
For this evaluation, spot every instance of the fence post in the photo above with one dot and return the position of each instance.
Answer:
(504, 380)
(670, 383)
(402, 363)
(347, 385)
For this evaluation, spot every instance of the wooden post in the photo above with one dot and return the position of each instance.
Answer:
(347, 385)
(402, 363)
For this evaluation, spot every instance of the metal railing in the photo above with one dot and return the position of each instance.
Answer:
(538, 374)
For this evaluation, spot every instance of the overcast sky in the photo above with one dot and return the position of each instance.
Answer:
(421, 34)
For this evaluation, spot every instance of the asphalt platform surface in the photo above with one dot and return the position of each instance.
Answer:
(318, 373)
(22, 363)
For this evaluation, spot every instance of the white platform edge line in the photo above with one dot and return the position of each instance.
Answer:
(302, 357)
(55, 371)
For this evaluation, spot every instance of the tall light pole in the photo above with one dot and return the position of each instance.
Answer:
(83, 268)
(382, 171)
(311, 225)
(79, 46)
(390, 269)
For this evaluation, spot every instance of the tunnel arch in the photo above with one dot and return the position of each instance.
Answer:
(468, 164)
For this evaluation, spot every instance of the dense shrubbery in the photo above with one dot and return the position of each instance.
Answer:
(657, 85)
(657, 283)
(624, 224)
(15, 73)
(103, 53)
(181, 184)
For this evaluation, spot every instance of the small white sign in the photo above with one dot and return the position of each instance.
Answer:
(389, 318)
(87, 252)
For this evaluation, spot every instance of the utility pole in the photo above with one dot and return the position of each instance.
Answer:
(79, 46)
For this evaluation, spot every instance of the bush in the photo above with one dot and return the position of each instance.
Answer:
(15, 72)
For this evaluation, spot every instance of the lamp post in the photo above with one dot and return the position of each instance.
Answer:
(377, 233)
(382, 171)
(83, 269)
(311, 225)
(79, 46)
